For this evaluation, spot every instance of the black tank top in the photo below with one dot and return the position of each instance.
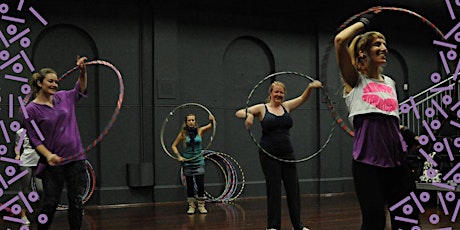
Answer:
(275, 133)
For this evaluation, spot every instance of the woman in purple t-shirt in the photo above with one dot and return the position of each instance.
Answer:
(58, 137)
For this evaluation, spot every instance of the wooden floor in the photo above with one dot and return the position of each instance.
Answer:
(334, 212)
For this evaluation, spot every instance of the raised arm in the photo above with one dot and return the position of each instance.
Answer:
(344, 59)
(292, 104)
(350, 74)
(83, 79)
(207, 127)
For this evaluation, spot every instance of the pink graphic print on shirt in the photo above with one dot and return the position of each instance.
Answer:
(372, 93)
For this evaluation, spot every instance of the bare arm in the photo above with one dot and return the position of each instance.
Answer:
(174, 147)
(292, 104)
(17, 152)
(253, 111)
(348, 71)
(83, 79)
(17, 148)
(207, 127)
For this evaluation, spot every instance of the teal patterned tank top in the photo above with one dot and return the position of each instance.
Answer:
(192, 150)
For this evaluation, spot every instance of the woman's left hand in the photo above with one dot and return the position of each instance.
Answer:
(315, 84)
(211, 118)
(81, 62)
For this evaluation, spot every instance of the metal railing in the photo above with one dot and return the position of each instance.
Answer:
(429, 105)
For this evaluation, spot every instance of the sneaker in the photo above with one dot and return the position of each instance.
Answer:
(305, 228)
(26, 221)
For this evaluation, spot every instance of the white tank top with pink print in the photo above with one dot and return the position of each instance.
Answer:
(372, 96)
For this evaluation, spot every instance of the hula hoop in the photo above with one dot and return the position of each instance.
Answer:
(257, 143)
(327, 53)
(109, 125)
(171, 114)
(231, 191)
(226, 164)
(89, 188)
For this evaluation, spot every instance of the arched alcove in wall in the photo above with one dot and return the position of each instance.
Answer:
(246, 60)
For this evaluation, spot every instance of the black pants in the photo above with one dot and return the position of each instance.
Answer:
(54, 177)
(276, 171)
(377, 187)
(199, 180)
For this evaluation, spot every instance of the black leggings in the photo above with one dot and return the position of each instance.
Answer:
(53, 178)
(376, 187)
(276, 171)
(199, 180)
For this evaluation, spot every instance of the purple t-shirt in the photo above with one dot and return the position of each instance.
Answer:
(378, 141)
(57, 124)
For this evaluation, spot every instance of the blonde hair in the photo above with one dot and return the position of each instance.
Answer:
(270, 89)
(363, 42)
(38, 77)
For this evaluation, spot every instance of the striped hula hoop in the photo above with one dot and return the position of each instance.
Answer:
(325, 59)
(232, 173)
(109, 125)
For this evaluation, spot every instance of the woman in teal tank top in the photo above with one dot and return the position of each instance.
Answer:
(193, 160)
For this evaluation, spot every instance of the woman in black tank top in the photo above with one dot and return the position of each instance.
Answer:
(276, 122)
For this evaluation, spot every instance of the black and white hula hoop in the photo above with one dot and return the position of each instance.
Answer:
(309, 156)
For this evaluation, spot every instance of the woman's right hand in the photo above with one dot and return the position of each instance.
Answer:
(180, 159)
(249, 120)
(53, 159)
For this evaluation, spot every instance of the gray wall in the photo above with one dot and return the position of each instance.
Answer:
(213, 54)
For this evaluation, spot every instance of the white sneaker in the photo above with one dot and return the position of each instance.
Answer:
(27, 222)
(305, 228)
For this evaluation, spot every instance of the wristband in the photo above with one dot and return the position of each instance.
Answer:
(365, 21)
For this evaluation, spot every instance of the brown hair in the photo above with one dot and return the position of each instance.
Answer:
(183, 131)
(38, 77)
(362, 42)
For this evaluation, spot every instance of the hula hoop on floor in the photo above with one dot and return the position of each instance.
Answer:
(330, 106)
(325, 59)
(229, 168)
(109, 125)
(167, 120)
